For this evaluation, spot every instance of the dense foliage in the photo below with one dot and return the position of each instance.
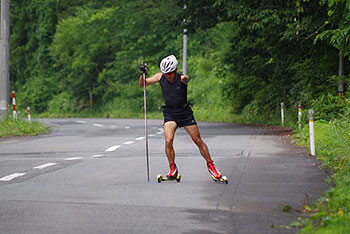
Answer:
(256, 53)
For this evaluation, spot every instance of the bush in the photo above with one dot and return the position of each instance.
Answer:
(332, 212)
(328, 107)
(205, 91)
(62, 104)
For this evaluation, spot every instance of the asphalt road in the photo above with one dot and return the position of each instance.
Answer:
(89, 176)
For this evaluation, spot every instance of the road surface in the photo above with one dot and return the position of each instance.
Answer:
(89, 176)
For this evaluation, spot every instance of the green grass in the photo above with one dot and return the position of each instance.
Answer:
(10, 127)
(332, 210)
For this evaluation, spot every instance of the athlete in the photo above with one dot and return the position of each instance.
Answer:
(177, 113)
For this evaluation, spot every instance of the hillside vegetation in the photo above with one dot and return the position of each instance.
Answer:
(244, 56)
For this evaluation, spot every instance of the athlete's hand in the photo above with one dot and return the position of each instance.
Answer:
(143, 67)
(185, 79)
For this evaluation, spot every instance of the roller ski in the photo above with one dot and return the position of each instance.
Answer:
(215, 174)
(161, 178)
(171, 176)
(222, 179)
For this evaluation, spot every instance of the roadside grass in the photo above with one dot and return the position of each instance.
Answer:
(332, 210)
(18, 127)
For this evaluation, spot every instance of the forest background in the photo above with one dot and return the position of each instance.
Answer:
(245, 57)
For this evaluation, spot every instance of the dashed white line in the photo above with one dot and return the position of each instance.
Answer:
(158, 133)
(112, 148)
(80, 121)
(152, 135)
(97, 156)
(74, 158)
(140, 138)
(44, 166)
(12, 176)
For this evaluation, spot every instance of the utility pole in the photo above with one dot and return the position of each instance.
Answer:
(4, 57)
(184, 48)
(341, 73)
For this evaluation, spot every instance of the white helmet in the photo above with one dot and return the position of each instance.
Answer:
(168, 64)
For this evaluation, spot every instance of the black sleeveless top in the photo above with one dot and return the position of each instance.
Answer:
(175, 94)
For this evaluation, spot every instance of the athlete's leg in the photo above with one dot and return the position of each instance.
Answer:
(203, 148)
(169, 133)
(193, 131)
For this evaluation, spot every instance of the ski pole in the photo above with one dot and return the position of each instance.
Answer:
(143, 69)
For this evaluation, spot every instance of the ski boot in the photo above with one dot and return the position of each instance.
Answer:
(172, 175)
(215, 174)
(173, 171)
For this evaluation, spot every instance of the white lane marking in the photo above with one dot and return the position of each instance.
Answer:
(80, 121)
(74, 158)
(98, 125)
(158, 133)
(113, 126)
(152, 135)
(44, 166)
(127, 127)
(112, 148)
(129, 142)
(12, 176)
(140, 138)
(97, 156)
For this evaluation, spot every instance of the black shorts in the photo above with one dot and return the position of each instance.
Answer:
(182, 117)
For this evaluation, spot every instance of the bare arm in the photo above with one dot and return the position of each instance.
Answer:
(152, 80)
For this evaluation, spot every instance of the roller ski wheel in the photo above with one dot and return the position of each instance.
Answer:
(161, 178)
(222, 179)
